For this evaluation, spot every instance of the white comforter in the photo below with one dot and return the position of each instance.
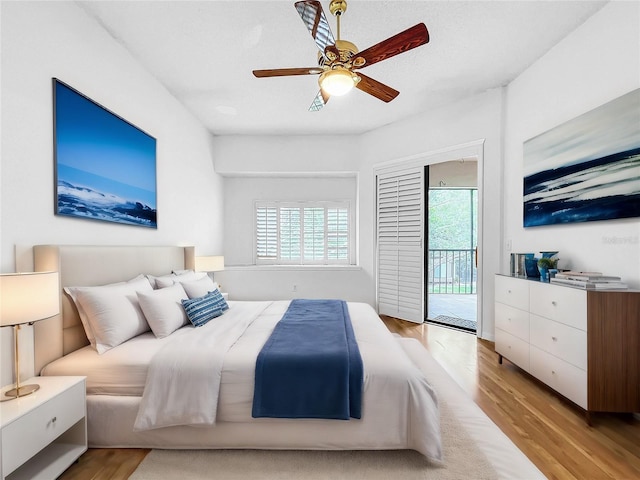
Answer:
(183, 381)
(182, 388)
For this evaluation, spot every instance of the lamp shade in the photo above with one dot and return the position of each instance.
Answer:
(212, 263)
(28, 297)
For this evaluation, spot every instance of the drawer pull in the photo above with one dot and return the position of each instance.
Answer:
(553, 372)
(508, 291)
(555, 339)
(554, 303)
(54, 419)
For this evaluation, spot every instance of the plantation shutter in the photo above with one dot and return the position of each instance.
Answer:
(337, 234)
(400, 227)
(293, 233)
(267, 232)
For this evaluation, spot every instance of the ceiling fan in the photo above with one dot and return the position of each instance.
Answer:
(339, 61)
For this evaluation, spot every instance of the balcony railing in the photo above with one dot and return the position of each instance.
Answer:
(451, 271)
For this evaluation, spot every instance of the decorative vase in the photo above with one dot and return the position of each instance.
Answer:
(544, 274)
(531, 267)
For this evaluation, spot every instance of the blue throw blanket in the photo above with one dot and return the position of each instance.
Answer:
(310, 367)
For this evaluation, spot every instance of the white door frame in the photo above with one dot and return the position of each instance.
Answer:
(474, 149)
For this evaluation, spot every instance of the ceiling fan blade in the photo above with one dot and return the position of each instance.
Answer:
(320, 101)
(375, 88)
(314, 18)
(283, 72)
(402, 42)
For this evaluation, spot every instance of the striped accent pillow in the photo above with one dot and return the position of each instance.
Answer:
(202, 309)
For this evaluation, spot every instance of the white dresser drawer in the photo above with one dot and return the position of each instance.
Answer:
(512, 320)
(31, 432)
(513, 349)
(566, 343)
(563, 377)
(562, 304)
(512, 291)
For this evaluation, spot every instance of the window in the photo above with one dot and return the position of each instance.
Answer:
(301, 233)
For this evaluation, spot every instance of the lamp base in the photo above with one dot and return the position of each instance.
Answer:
(21, 391)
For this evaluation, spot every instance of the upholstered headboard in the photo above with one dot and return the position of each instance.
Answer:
(88, 265)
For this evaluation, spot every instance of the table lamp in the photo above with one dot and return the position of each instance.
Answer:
(26, 298)
(211, 263)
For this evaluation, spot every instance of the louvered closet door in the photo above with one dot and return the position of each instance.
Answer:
(400, 216)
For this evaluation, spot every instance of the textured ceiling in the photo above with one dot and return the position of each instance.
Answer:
(204, 52)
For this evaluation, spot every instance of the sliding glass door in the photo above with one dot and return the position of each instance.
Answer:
(451, 256)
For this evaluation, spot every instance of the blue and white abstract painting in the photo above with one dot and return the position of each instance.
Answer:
(105, 166)
(585, 169)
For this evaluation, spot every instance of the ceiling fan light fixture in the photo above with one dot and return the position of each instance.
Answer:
(338, 81)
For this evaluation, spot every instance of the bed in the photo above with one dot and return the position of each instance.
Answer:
(399, 407)
(390, 420)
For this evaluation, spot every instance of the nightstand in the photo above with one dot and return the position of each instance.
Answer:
(45, 432)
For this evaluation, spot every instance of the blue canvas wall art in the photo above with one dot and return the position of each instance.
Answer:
(105, 166)
(586, 169)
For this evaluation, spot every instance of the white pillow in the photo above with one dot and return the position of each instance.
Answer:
(113, 313)
(163, 309)
(199, 288)
(181, 272)
(153, 280)
(73, 293)
(168, 280)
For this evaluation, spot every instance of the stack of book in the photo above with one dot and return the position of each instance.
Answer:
(589, 280)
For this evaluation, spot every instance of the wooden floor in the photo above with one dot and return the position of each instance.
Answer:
(551, 431)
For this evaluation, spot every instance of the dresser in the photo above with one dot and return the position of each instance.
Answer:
(584, 344)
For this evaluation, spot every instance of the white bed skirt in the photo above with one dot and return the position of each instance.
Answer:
(110, 420)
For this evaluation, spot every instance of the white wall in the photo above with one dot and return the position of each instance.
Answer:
(600, 61)
(41, 40)
(246, 154)
(310, 167)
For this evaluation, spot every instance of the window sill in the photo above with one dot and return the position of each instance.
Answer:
(307, 268)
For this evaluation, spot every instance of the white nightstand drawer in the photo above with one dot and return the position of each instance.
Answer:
(562, 304)
(36, 429)
(512, 320)
(565, 342)
(512, 291)
(563, 377)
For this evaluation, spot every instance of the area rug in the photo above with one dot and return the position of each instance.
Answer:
(463, 460)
